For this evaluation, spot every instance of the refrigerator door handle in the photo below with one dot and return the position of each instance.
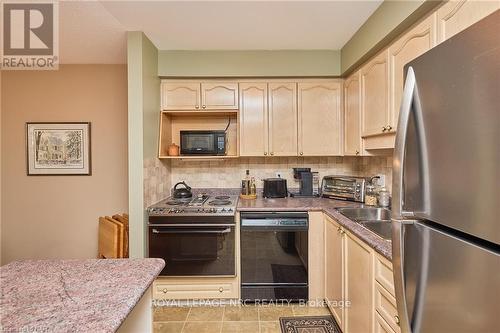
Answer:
(398, 269)
(399, 148)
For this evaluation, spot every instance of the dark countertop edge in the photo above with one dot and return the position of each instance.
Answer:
(381, 246)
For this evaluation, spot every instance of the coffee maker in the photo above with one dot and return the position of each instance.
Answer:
(306, 179)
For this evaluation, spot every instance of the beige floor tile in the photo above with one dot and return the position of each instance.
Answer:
(202, 327)
(206, 313)
(168, 313)
(168, 327)
(310, 311)
(240, 327)
(271, 313)
(270, 327)
(241, 313)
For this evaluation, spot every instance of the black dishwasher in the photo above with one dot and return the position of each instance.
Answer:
(274, 256)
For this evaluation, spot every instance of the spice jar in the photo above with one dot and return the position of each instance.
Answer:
(384, 197)
(370, 196)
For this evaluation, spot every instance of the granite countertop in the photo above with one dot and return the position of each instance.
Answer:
(88, 295)
(328, 206)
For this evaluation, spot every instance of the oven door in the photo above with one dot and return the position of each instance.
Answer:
(197, 250)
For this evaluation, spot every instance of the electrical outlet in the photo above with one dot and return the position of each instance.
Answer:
(381, 180)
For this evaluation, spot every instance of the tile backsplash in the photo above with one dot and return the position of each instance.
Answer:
(156, 180)
(229, 172)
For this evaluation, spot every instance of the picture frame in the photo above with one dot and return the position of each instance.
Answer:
(58, 149)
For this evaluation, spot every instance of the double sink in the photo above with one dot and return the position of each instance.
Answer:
(377, 220)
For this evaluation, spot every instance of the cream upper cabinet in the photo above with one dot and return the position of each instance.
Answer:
(319, 118)
(219, 95)
(334, 263)
(412, 44)
(455, 16)
(358, 316)
(282, 119)
(352, 115)
(375, 95)
(180, 95)
(253, 119)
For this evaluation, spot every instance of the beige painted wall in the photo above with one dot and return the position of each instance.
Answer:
(249, 63)
(56, 216)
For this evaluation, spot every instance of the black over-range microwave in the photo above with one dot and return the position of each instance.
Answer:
(203, 143)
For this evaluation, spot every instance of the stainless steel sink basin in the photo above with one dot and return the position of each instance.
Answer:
(366, 214)
(381, 228)
(377, 220)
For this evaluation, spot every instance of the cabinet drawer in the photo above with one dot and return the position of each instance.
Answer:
(383, 274)
(381, 325)
(385, 305)
(194, 291)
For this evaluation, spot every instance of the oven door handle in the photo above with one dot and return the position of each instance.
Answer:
(183, 231)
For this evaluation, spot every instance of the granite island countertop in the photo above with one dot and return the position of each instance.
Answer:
(329, 207)
(88, 295)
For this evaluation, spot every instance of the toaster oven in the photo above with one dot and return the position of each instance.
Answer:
(344, 188)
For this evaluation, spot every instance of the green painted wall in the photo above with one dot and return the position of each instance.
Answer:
(248, 63)
(143, 107)
(389, 20)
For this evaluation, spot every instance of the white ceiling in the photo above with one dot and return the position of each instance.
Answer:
(95, 31)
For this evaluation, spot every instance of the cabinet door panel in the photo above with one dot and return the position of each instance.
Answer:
(253, 119)
(374, 95)
(359, 286)
(319, 123)
(352, 105)
(411, 45)
(283, 119)
(334, 264)
(455, 16)
(219, 96)
(180, 95)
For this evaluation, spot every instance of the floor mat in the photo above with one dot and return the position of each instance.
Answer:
(317, 324)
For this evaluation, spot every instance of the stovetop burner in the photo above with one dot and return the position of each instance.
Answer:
(176, 202)
(222, 197)
(219, 202)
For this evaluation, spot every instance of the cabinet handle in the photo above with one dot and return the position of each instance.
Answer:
(342, 232)
(389, 127)
(196, 106)
(204, 106)
(384, 129)
(265, 153)
(357, 152)
(221, 289)
(164, 290)
(301, 153)
(396, 319)
(338, 229)
(272, 154)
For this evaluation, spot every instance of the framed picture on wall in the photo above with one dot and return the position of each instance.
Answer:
(58, 149)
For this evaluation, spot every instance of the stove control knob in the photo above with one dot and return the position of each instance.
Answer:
(230, 210)
(223, 210)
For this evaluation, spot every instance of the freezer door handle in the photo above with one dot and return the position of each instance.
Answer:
(398, 272)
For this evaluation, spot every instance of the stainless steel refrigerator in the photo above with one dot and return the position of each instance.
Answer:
(446, 186)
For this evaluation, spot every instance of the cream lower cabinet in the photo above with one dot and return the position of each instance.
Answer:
(253, 119)
(334, 274)
(320, 129)
(360, 278)
(455, 16)
(358, 316)
(352, 115)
